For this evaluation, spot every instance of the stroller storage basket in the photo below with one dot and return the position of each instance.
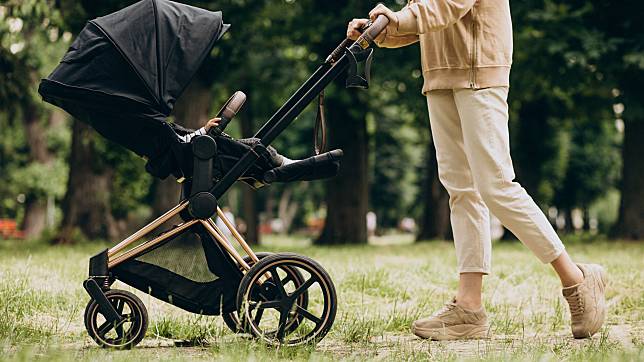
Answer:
(189, 271)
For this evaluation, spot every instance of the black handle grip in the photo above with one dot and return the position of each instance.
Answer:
(374, 28)
(228, 112)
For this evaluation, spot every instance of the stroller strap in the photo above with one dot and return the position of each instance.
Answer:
(319, 130)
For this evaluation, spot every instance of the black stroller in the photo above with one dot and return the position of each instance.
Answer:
(122, 75)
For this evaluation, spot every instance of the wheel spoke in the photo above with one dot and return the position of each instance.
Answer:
(282, 325)
(258, 316)
(119, 306)
(307, 284)
(278, 282)
(271, 304)
(288, 279)
(119, 331)
(308, 315)
(104, 328)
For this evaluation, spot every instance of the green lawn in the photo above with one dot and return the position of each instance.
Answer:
(381, 290)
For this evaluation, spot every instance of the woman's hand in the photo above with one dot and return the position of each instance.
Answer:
(380, 9)
(212, 123)
(353, 29)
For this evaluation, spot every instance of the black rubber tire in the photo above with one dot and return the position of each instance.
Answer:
(312, 267)
(232, 319)
(135, 333)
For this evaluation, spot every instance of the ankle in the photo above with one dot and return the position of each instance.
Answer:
(469, 304)
(572, 278)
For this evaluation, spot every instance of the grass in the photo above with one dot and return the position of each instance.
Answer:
(381, 290)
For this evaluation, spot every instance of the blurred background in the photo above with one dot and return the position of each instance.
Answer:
(577, 126)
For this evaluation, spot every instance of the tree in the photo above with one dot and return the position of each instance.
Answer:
(29, 36)
(435, 218)
(347, 194)
(623, 67)
(86, 205)
(562, 141)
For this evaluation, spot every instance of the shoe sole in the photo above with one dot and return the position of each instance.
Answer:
(462, 331)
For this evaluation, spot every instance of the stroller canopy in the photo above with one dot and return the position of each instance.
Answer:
(125, 71)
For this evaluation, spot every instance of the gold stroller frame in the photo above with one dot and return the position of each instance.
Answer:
(117, 255)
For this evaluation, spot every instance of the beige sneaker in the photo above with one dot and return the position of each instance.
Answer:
(587, 302)
(452, 322)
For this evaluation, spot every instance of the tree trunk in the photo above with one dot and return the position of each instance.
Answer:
(250, 212)
(287, 208)
(35, 218)
(86, 206)
(569, 227)
(586, 217)
(630, 224)
(191, 111)
(435, 218)
(36, 205)
(347, 195)
(269, 204)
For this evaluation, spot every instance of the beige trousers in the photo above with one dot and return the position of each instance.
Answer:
(470, 131)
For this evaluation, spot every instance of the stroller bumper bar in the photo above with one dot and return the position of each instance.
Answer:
(313, 168)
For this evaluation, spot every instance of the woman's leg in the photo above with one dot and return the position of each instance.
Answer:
(568, 272)
(470, 288)
(463, 317)
(484, 120)
(468, 214)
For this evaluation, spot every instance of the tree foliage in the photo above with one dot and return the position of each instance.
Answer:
(577, 68)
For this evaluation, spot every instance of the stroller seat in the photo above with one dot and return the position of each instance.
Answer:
(227, 151)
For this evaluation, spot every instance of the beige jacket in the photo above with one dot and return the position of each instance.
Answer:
(463, 43)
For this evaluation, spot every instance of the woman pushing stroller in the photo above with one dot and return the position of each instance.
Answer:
(466, 51)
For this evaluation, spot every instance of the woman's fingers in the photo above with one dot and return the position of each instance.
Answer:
(354, 26)
(380, 9)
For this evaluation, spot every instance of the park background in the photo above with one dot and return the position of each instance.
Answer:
(577, 138)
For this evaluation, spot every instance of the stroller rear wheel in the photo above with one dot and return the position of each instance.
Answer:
(232, 319)
(120, 336)
(269, 300)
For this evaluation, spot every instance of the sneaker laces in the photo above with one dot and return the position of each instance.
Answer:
(576, 304)
(446, 308)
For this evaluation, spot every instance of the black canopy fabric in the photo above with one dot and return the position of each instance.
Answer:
(125, 71)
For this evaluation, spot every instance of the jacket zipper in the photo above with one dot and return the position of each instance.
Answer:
(473, 55)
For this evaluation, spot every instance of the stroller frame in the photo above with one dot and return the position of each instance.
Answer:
(114, 258)
(347, 56)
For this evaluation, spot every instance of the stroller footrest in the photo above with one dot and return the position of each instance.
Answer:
(318, 167)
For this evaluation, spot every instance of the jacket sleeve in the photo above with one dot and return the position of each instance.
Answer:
(180, 130)
(431, 15)
(385, 40)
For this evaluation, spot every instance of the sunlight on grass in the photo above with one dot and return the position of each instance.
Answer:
(381, 290)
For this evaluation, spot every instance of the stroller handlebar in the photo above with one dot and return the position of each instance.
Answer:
(369, 32)
(373, 29)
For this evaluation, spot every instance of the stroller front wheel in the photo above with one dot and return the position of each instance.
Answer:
(124, 335)
(269, 300)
